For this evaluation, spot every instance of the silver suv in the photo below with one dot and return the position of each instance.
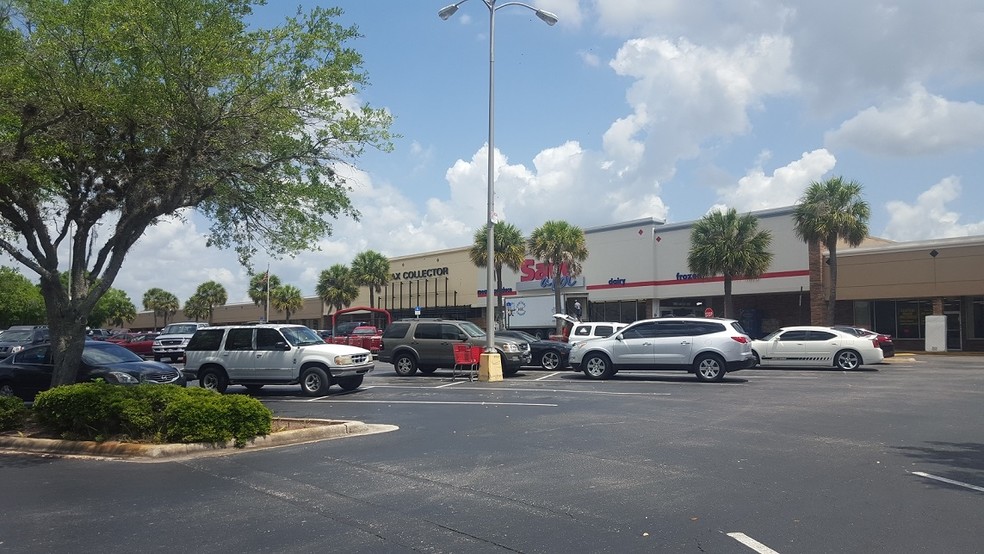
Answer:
(706, 347)
(273, 354)
(426, 344)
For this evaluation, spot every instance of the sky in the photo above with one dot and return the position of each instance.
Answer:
(635, 108)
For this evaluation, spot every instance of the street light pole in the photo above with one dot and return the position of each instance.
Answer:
(549, 19)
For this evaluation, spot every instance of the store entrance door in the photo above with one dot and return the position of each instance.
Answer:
(953, 338)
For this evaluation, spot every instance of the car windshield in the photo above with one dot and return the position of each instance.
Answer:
(471, 329)
(523, 335)
(107, 353)
(188, 329)
(773, 334)
(301, 336)
(15, 335)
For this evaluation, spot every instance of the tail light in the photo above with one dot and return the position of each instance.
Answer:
(740, 338)
(876, 343)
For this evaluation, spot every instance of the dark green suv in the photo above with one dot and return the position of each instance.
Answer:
(427, 345)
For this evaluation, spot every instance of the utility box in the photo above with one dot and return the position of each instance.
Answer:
(936, 333)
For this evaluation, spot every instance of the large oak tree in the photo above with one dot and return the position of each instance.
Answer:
(122, 112)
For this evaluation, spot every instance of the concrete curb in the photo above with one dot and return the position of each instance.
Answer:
(322, 429)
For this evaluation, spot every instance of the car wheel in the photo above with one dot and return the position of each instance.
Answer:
(314, 382)
(847, 360)
(427, 370)
(758, 360)
(597, 366)
(708, 368)
(350, 383)
(6, 389)
(254, 388)
(213, 378)
(550, 360)
(405, 365)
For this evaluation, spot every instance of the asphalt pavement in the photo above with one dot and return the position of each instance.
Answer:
(886, 459)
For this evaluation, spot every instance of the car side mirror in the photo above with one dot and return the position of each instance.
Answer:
(281, 345)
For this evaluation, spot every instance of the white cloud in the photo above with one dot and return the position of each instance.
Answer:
(758, 191)
(915, 125)
(685, 94)
(929, 217)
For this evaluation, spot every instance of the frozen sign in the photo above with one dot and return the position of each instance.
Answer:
(542, 274)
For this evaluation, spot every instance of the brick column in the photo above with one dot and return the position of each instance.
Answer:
(937, 306)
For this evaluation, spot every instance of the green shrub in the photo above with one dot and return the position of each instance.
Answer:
(217, 419)
(12, 412)
(154, 413)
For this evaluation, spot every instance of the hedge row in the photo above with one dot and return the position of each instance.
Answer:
(151, 413)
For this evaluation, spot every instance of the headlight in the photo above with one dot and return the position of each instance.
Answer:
(343, 360)
(14, 349)
(157, 343)
(123, 378)
(510, 347)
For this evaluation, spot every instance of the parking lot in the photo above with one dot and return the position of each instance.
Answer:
(886, 459)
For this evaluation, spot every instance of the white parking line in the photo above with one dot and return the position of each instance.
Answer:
(353, 401)
(950, 481)
(550, 375)
(752, 543)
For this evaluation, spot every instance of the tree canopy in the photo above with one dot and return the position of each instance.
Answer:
(122, 112)
(508, 249)
(371, 269)
(287, 299)
(336, 287)
(22, 301)
(725, 243)
(561, 245)
(830, 211)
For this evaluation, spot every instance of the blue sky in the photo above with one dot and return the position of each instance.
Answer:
(636, 108)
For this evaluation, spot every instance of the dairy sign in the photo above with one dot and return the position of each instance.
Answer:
(535, 275)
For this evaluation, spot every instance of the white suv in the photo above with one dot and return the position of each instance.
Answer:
(707, 347)
(171, 342)
(273, 354)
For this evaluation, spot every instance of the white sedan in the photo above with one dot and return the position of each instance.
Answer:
(816, 346)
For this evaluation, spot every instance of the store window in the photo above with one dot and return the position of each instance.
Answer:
(977, 317)
(622, 311)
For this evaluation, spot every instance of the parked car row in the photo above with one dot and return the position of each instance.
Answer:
(257, 355)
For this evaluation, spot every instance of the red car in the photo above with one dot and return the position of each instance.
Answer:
(140, 344)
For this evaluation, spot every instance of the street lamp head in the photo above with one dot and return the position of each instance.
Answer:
(546, 17)
(447, 11)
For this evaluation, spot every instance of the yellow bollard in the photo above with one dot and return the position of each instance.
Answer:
(490, 367)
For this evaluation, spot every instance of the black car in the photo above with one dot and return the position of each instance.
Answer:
(29, 371)
(548, 354)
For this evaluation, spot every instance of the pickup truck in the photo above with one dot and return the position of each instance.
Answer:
(363, 336)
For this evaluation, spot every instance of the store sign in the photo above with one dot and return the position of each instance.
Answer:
(421, 273)
(533, 274)
(687, 276)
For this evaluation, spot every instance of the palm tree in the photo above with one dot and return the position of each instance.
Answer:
(168, 305)
(371, 269)
(197, 308)
(287, 299)
(559, 244)
(261, 287)
(211, 294)
(152, 300)
(509, 249)
(336, 287)
(731, 245)
(829, 211)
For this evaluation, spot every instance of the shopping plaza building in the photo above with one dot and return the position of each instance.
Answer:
(638, 269)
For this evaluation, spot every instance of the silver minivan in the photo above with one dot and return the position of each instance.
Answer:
(706, 347)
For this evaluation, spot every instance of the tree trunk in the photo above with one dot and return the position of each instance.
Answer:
(728, 302)
(832, 302)
(66, 329)
(557, 305)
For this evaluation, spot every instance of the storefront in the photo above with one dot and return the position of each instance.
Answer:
(638, 269)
